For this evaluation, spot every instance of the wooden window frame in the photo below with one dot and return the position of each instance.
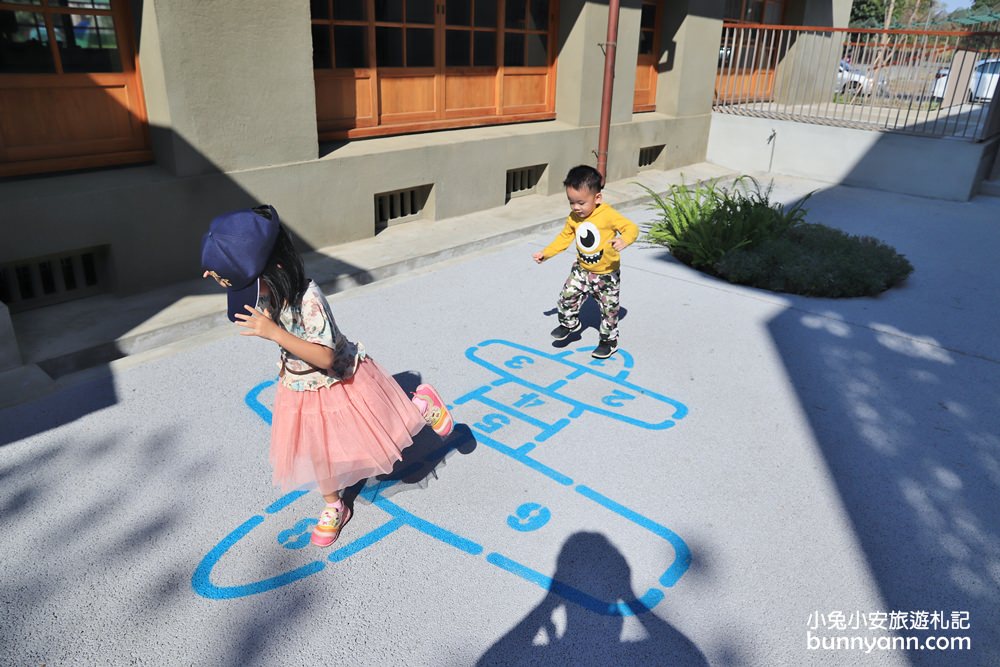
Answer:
(647, 64)
(31, 105)
(764, 5)
(379, 101)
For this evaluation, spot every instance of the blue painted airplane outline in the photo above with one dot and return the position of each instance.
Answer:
(400, 517)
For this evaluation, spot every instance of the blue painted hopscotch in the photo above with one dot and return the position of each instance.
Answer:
(535, 396)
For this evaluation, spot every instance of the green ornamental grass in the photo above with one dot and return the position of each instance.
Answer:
(739, 235)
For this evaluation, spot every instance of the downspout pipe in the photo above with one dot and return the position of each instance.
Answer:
(610, 51)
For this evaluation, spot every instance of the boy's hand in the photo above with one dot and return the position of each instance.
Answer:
(538, 257)
(258, 323)
(619, 244)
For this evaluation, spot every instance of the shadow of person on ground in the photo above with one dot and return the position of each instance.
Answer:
(563, 632)
(422, 461)
(590, 318)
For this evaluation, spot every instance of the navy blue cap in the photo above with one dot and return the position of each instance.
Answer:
(235, 251)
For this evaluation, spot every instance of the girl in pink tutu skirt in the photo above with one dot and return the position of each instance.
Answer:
(338, 417)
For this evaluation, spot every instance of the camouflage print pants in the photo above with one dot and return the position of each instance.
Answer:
(604, 287)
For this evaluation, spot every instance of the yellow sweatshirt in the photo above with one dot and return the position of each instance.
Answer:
(594, 235)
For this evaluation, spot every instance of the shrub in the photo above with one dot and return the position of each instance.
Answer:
(701, 223)
(738, 234)
(815, 260)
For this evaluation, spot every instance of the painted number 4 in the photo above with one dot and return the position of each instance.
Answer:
(529, 401)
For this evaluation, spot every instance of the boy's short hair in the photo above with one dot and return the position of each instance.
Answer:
(583, 176)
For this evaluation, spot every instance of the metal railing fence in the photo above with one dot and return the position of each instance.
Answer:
(928, 83)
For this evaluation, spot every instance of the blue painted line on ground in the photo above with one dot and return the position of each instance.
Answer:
(523, 458)
(285, 500)
(253, 400)
(502, 407)
(680, 410)
(682, 553)
(201, 579)
(641, 605)
(365, 541)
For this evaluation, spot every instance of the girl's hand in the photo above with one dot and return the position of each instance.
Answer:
(258, 323)
(619, 244)
(538, 257)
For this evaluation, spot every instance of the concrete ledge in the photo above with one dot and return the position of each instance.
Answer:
(940, 168)
(23, 383)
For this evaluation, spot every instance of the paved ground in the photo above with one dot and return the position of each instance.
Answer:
(750, 474)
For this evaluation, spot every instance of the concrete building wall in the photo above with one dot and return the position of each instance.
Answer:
(689, 39)
(583, 28)
(232, 119)
(796, 79)
(228, 84)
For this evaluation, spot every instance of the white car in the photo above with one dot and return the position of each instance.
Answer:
(982, 83)
(853, 80)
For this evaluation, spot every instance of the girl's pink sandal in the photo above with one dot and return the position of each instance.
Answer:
(331, 522)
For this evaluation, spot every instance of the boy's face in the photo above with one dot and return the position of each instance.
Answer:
(582, 202)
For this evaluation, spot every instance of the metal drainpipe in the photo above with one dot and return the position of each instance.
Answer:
(610, 50)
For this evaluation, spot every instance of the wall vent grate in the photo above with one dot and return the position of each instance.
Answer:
(400, 206)
(649, 155)
(43, 281)
(522, 181)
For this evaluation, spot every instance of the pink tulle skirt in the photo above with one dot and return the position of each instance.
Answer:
(341, 434)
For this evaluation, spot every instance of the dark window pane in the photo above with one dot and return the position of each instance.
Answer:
(459, 12)
(733, 9)
(319, 9)
(80, 4)
(27, 288)
(389, 10)
(89, 269)
(419, 47)
(515, 13)
(351, 45)
(321, 47)
(85, 46)
(648, 19)
(456, 48)
(537, 50)
(420, 11)
(349, 10)
(486, 13)
(539, 19)
(389, 47)
(47, 276)
(646, 42)
(484, 49)
(69, 278)
(513, 49)
(24, 43)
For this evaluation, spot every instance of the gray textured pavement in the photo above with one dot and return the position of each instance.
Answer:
(750, 467)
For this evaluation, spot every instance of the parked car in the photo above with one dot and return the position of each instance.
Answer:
(982, 83)
(853, 79)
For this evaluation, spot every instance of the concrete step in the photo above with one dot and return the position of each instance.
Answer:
(990, 188)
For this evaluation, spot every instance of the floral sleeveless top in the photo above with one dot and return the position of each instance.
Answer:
(316, 325)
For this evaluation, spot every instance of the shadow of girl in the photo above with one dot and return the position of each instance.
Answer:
(558, 631)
